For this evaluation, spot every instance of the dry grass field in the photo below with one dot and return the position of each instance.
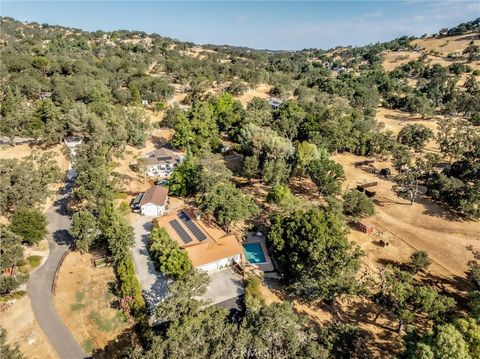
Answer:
(261, 91)
(446, 45)
(423, 225)
(84, 300)
(442, 48)
(398, 58)
(22, 328)
(395, 120)
(21, 151)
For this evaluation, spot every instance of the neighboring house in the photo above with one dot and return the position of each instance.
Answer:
(208, 246)
(154, 201)
(275, 103)
(161, 162)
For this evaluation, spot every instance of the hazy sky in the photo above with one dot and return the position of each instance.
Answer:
(274, 24)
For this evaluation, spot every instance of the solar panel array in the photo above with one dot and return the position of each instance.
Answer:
(192, 226)
(184, 236)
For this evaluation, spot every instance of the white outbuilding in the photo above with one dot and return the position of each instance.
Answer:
(154, 201)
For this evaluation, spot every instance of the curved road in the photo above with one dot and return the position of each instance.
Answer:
(39, 286)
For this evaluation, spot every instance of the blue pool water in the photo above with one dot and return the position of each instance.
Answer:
(254, 253)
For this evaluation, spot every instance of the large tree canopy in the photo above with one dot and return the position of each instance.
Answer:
(314, 253)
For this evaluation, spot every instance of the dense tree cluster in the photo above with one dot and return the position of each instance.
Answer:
(25, 182)
(265, 331)
(312, 249)
(98, 222)
(24, 186)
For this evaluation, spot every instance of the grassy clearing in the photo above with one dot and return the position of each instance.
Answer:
(85, 299)
(34, 261)
(88, 345)
(106, 324)
(79, 296)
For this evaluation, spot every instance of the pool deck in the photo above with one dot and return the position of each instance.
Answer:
(267, 266)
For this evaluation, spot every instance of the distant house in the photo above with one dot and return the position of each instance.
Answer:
(275, 103)
(154, 201)
(161, 162)
(208, 246)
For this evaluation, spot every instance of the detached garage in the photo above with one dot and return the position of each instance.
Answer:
(154, 201)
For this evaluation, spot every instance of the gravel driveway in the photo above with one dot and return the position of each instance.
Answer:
(154, 284)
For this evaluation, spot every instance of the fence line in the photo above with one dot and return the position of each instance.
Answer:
(54, 283)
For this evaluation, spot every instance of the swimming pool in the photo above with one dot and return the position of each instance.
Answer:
(254, 253)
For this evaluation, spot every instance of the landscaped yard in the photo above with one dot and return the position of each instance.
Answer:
(85, 298)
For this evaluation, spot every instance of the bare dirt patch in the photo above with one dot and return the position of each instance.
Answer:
(22, 151)
(261, 91)
(394, 59)
(19, 321)
(84, 299)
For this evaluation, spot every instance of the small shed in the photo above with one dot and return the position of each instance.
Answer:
(364, 227)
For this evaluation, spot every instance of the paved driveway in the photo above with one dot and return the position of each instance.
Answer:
(40, 282)
(224, 285)
(154, 284)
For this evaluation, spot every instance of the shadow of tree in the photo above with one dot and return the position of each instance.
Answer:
(116, 347)
(63, 237)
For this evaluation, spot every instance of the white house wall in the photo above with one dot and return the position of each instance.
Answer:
(225, 262)
(151, 209)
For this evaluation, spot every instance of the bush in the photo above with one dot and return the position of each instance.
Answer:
(167, 256)
(30, 224)
(237, 88)
(253, 296)
(357, 204)
(419, 261)
(9, 284)
(34, 261)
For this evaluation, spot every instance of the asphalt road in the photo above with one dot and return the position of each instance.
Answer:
(39, 285)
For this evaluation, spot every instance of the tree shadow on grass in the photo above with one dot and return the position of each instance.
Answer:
(117, 346)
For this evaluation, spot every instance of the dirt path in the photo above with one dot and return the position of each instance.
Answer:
(40, 283)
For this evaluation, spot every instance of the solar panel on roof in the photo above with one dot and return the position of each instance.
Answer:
(180, 231)
(192, 226)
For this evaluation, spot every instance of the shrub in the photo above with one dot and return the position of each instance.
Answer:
(34, 261)
(419, 261)
(30, 224)
(253, 295)
(357, 204)
(167, 256)
(237, 88)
